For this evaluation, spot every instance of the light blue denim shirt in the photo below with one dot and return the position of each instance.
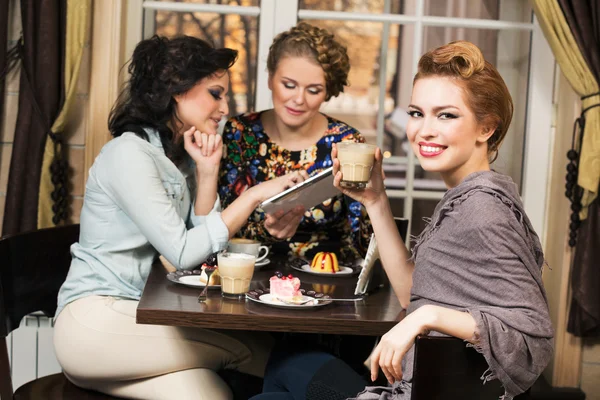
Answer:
(137, 205)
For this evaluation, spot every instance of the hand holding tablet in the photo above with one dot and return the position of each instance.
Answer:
(308, 194)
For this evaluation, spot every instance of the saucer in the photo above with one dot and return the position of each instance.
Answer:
(262, 263)
(189, 278)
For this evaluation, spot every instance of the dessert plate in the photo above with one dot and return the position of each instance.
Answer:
(344, 271)
(190, 278)
(309, 299)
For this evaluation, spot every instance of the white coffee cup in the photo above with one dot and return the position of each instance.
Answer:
(248, 246)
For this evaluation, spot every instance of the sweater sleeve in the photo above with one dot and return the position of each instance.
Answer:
(131, 179)
(496, 278)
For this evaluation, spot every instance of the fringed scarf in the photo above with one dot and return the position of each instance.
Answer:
(480, 254)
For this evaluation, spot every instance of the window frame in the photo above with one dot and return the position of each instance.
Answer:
(539, 114)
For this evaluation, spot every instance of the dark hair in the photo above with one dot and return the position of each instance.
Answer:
(485, 91)
(318, 44)
(161, 68)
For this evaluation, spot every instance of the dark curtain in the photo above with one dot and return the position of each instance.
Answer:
(40, 96)
(3, 49)
(584, 315)
(583, 17)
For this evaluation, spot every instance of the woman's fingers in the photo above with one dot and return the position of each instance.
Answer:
(385, 362)
(188, 136)
(218, 142)
(375, 362)
(283, 225)
(197, 139)
(210, 145)
(397, 365)
(292, 217)
(303, 174)
(298, 176)
(337, 178)
(204, 144)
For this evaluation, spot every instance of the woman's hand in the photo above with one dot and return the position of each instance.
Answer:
(375, 189)
(270, 188)
(206, 150)
(395, 344)
(283, 225)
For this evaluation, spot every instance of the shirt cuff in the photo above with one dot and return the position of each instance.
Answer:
(196, 220)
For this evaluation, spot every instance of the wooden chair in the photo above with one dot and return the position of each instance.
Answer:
(445, 368)
(33, 267)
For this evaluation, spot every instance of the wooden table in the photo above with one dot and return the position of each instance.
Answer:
(167, 303)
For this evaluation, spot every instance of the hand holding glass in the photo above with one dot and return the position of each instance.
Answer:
(356, 162)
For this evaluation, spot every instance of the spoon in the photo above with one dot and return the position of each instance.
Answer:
(208, 271)
(315, 300)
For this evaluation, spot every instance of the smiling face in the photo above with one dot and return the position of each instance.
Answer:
(205, 104)
(443, 131)
(298, 87)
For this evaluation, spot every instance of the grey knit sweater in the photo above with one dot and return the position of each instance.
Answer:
(480, 254)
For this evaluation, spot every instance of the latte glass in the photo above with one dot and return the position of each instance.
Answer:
(236, 270)
(356, 163)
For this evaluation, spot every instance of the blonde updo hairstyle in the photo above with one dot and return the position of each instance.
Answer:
(485, 92)
(317, 44)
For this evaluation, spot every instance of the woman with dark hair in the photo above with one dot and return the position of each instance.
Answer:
(153, 190)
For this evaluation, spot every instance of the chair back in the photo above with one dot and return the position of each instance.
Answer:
(33, 266)
(445, 368)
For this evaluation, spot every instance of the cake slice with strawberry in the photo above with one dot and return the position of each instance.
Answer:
(286, 287)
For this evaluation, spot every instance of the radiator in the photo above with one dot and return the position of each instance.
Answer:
(31, 351)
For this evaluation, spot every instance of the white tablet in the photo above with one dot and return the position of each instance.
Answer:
(309, 193)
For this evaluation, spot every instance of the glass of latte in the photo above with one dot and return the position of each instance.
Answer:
(236, 270)
(356, 162)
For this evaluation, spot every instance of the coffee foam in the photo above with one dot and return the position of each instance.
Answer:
(238, 256)
(357, 147)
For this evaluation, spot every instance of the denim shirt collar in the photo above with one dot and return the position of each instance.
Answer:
(154, 137)
(187, 167)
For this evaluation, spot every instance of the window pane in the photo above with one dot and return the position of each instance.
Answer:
(359, 102)
(505, 10)
(397, 206)
(357, 105)
(246, 3)
(233, 31)
(398, 87)
(508, 51)
(395, 178)
(358, 6)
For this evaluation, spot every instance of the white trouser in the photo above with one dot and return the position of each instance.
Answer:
(100, 347)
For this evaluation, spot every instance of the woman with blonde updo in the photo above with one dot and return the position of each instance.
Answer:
(475, 270)
(307, 67)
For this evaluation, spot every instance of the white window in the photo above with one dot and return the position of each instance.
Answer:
(385, 39)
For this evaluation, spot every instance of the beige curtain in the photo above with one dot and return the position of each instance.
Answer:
(573, 65)
(78, 23)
